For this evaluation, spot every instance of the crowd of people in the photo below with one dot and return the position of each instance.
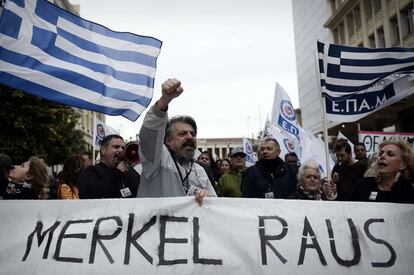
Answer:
(167, 167)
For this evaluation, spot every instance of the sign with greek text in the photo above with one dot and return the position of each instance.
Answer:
(372, 139)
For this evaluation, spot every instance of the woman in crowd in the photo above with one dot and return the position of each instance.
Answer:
(225, 166)
(208, 160)
(391, 174)
(29, 181)
(67, 186)
(310, 186)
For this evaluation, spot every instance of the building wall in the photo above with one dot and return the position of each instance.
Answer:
(308, 20)
(221, 147)
(368, 23)
(376, 24)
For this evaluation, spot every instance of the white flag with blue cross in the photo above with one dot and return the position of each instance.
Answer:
(49, 52)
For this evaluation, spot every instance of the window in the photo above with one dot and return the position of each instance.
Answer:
(332, 4)
(371, 40)
(357, 17)
(335, 33)
(350, 23)
(381, 38)
(341, 33)
(407, 24)
(395, 30)
(377, 5)
(409, 20)
(368, 8)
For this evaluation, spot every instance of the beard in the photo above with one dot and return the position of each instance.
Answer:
(188, 150)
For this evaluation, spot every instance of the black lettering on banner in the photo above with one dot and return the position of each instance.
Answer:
(132, 238)
(40, 237)
(62, 236)
(307, 230)
(355, 245)
(265, 239)
(393, 257)
(164, 240)
(97, 238)
(196, 254)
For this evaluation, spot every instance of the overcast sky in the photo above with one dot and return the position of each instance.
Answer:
(227, 53)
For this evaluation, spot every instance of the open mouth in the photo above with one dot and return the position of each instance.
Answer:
(382, 165)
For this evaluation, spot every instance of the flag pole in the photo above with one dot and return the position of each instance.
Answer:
(324, 120)
(94, 138)
(325, 135)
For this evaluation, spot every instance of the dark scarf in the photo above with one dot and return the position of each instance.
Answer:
(271, 165)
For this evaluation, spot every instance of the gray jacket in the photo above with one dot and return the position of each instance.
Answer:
(160, 177)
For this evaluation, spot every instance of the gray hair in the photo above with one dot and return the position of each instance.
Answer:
(184, 119)
(309, 164)
(267, 139)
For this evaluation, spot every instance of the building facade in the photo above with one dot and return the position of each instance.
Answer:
(359, 23)
(221, 147)
(308, 20)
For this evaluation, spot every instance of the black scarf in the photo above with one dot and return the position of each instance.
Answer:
(271, 165)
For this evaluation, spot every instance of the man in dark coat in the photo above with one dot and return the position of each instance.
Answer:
(271, 177)
(109, 178)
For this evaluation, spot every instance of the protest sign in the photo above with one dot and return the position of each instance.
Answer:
(224, 236)
(372, 139)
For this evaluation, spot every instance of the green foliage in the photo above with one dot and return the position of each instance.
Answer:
(32, 126)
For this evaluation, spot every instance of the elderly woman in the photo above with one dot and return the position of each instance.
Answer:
(390, 175)
(310, 186)
(29, 181)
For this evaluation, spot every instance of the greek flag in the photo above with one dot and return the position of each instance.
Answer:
(54, 54)
(358, 81)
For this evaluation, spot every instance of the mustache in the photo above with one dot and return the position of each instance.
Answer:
(188, 143)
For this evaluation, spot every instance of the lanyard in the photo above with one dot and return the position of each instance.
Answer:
(184, 181)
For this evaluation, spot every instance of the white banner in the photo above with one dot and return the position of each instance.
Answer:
(224, 236)
(372, 139)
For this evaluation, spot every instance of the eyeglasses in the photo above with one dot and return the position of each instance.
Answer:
(204, 158)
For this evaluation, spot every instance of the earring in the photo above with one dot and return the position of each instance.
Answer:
(397, 176)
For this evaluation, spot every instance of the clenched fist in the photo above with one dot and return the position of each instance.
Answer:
(171, 89)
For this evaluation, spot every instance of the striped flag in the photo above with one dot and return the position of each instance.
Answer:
(54, 54)
(358, 81)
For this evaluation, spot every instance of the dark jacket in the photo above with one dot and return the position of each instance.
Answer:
(269, 176)
(100, 181)
(366, 189)
(20, 191)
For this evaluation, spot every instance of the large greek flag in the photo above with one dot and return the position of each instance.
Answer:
(54, 54)
(358, 81)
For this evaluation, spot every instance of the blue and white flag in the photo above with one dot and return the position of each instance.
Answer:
(54, 54)
(248, 150)
(101, 130)
(283, 114)
(358, 81)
